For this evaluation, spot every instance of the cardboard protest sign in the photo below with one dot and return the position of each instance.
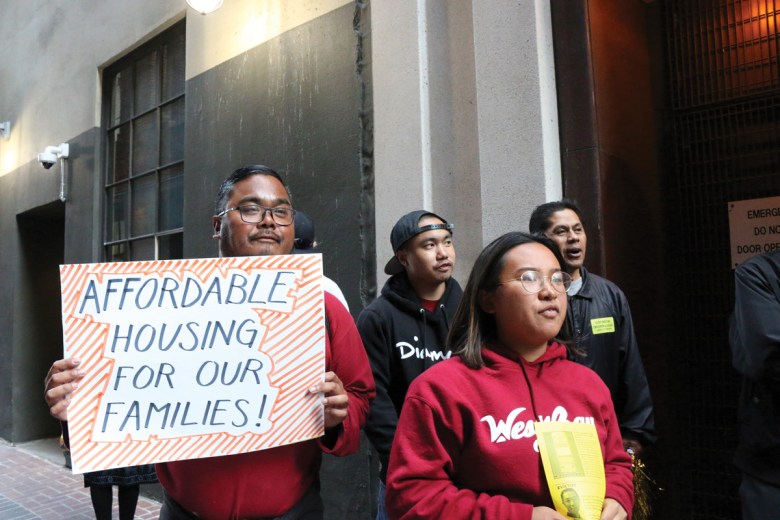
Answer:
(192, 358)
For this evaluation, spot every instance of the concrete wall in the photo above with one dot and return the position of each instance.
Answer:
(51, 58)
(50, 91)
(33, 243)
(465, 117)
(243, 25)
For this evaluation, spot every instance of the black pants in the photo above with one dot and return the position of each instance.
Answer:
(760, 500)
(103, 498)
(309, 507)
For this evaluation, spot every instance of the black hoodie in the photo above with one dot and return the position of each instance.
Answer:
(402, 340)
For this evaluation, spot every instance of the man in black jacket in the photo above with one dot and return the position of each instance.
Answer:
(601, 319)
(754, 335)
(404, 330)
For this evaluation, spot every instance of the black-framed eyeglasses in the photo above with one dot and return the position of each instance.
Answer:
(254, 213)
(533, 281)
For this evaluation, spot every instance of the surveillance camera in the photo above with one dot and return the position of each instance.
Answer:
(52, 154)
(47, 159)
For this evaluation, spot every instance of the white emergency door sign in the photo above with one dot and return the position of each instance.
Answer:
(754, 227)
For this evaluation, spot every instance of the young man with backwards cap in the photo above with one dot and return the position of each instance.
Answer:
(404, 330)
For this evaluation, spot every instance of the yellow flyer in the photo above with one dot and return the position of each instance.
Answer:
(574, 466)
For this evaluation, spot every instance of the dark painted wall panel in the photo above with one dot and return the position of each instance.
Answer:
(577, 124)
(7, 286)
(608, 62)
(292, 103)
(83, 243)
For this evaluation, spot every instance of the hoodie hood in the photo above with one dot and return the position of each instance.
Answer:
(400, 293)
(500, 358)
(498, 355)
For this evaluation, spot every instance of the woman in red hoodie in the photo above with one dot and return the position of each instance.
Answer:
(465, 445)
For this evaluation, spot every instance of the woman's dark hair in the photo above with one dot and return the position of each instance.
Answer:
(239, 175)
(472, 326)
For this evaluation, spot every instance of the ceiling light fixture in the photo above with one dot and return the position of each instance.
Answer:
(205, 6)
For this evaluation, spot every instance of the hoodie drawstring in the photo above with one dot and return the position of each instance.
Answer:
(424, 326)
(443, 310)
(530, 390)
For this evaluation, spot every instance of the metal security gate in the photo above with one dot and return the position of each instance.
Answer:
(724, 137)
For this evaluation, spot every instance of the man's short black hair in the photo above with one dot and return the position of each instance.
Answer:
(540, 218)
(239, 175)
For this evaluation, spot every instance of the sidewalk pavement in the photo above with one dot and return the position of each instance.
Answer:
(36, 485)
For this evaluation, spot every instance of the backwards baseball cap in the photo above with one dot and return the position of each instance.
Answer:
(407, 228)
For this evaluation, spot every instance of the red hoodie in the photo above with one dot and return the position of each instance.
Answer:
(268, 483)
(464, 447)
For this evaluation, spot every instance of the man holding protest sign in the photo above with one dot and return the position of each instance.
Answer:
(254, 217)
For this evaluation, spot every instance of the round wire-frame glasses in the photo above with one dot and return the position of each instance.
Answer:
(533, 281)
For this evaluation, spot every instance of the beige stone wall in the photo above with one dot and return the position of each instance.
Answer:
(465, 116)
(52, 55)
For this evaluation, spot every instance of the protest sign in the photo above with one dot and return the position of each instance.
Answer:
(192, 358)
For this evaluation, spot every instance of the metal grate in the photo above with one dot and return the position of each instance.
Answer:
(724, 135)
(720, 50)
(724, 153)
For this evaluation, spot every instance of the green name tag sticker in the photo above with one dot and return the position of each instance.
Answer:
(602, 325)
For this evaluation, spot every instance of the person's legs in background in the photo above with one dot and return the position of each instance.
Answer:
(102, 498)
(128, 499)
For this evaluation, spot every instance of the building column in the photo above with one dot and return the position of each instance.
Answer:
(465, 117)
